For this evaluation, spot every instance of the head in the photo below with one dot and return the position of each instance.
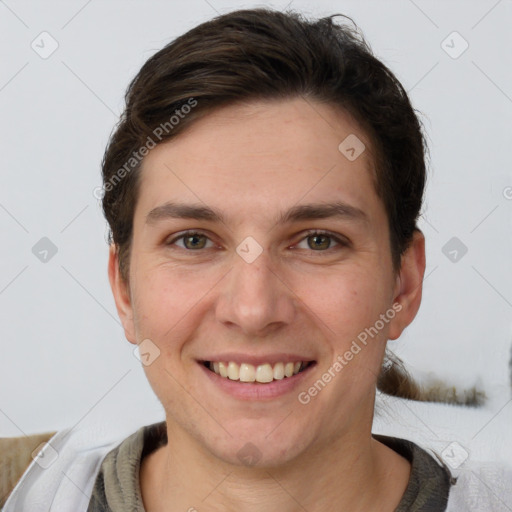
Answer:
(248, 120)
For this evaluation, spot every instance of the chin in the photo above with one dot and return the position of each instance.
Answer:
(259, 451)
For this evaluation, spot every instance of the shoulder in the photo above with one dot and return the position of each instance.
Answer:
(60, 471)
(16, 454)
(481, 486)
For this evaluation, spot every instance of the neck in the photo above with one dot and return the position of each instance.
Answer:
(354, 470)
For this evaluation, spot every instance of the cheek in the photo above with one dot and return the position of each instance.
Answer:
(346, 301)
(169, 305)
(155, 307)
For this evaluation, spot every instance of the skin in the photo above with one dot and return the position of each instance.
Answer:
(252, 161)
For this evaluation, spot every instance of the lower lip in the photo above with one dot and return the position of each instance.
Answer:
(256, 390)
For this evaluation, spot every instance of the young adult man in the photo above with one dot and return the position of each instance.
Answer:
(262, 190)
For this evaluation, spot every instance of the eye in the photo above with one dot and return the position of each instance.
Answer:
(318, 241)
(192, 240)
(321, 241)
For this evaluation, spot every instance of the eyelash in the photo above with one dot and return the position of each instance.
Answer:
(310, 233)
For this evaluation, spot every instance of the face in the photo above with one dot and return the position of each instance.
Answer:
(258, 242)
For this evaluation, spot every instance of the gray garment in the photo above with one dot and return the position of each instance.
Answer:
(117, 487)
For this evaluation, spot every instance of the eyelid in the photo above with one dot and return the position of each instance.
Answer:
(339, 239)
(185, 234)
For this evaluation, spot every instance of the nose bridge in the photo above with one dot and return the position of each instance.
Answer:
(254, 297)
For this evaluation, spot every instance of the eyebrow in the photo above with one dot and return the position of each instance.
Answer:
(339, 209)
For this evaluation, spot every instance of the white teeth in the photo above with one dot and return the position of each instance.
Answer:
(279, 371)
(233, 371)
(247, 373)
(223, 370)
(263, 373)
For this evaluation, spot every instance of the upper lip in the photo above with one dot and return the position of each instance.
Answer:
(257, 360)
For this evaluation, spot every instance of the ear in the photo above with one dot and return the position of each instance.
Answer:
(121, 293)
(409, 285)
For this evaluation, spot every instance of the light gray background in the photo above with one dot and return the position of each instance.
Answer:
(64, 359)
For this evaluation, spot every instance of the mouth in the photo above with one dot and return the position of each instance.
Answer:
(264, 373)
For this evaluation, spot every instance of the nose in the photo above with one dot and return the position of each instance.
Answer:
(255, 298)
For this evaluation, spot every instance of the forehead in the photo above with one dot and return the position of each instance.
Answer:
(261, 156)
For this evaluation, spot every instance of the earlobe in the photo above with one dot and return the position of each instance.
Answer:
(121, 295)
(409, 285)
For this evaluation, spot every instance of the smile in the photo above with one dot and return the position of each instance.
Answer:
(262, 373)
